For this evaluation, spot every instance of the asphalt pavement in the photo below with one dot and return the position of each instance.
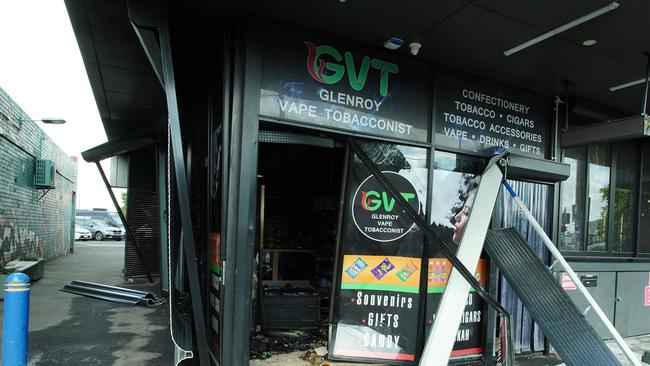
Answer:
(68, 329)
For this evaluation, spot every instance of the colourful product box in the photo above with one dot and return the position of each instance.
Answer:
(356, 268)
(382, 269)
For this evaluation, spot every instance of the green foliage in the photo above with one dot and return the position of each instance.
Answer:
(29, 257)
(3, 269)
(622, 216)
(124, 197)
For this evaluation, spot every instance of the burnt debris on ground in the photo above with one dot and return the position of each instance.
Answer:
(266, 344)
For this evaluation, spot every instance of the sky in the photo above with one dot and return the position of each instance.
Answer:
(42, 70)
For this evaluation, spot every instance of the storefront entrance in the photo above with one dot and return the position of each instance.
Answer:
(338, 263)
(299, 193)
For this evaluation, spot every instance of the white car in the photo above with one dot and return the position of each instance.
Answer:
(81, 233)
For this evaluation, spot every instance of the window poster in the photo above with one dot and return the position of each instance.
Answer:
(377, 310)
(453, 197)
(469, 338)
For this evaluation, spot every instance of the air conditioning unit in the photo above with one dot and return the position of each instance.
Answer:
(45, 173)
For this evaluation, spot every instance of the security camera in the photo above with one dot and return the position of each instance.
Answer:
(415, 48)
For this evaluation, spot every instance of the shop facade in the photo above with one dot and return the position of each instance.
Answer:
(274, 221)
(378, 282)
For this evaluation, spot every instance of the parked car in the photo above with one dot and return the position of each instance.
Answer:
(101, 230)
(111, 218)
(81, 233)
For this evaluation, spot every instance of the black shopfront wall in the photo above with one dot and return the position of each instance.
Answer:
(294, 77)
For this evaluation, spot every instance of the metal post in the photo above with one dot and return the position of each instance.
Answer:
(182, 192)
(161, 175)
(574, 277)
(15, 334)
(129, 233)
(647, 81)
(556, 129)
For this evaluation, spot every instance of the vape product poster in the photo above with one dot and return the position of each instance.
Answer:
(377, 310)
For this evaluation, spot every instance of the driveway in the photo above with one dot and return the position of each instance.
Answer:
(68, 329)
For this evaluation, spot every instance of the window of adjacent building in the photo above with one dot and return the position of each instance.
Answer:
(598, 197)
(572, 205)
(644, 220)
(623, 213)
(605, 202)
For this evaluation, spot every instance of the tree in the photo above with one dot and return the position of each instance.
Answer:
(621, 216)
(124, 197)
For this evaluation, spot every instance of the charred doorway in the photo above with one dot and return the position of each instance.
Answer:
(299, 194)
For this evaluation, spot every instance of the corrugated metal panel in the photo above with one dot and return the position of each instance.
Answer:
(142, 216)
(568, 331)
(113, 293)
(528, 336)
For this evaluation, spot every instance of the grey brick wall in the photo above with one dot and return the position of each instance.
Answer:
(31, 225)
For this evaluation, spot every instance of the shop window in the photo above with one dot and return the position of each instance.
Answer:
(572, 205)
(623, 213)
(644, 220)
(598, 197)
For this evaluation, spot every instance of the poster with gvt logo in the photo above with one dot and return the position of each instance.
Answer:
(378, 305)
(374, 212)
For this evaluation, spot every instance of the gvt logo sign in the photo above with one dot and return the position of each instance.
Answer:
(376, 212)
(373, 200)
(326, 65)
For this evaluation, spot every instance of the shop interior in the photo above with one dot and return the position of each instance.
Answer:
(299, 191)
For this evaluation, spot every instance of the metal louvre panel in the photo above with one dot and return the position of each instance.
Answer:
(567, 329)
(528, 336)
(275, 137)
(142, 216)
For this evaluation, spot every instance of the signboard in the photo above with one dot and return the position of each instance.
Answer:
(469, 338)
(481, 117)
(378, 304)
(317, 81)
(567, 284)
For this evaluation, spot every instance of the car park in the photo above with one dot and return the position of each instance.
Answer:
(101, 230)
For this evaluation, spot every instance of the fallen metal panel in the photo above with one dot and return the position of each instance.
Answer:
(112, 293)
(110, 288)
(565, 326)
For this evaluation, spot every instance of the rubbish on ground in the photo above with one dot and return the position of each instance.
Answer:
(266, 345)
(285, 333)
(313, 358)
(113, 293)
